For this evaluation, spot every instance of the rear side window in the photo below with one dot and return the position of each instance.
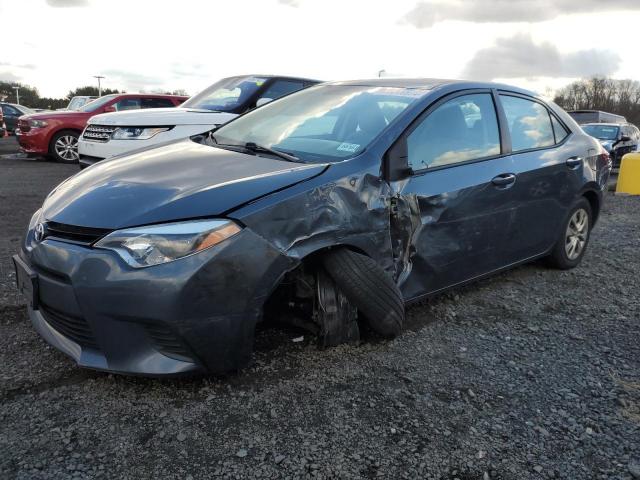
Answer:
(529, 123)
(559, 130)
(157, 103)
(127, 104)
(464, 128)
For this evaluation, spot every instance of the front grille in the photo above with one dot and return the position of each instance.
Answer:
(74, 328)
(98, 133)
(72, 233)
(167, 343)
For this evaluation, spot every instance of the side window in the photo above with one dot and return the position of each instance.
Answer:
(559, 130)
(280, 88)
(127, 104)
(9, 111)
(529, 123)
(156, 103)
(464, 128)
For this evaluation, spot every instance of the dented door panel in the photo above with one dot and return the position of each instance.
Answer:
(451, 225)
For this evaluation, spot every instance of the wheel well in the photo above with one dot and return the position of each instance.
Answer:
(62, 130)
(297, 284)
(594, 202)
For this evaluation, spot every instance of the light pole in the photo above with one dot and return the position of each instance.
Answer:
(99, 77)
(380, 72)
(17, 89)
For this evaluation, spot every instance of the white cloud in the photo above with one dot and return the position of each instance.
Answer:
(158, 44)
(67, 3)
(520, 57)
(427, 13)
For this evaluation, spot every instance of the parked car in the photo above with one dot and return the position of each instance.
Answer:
(12, 112)
(617, 139)
(55, 134)
(117, 133)
(595, 116)
(78, 101)
(342, 201)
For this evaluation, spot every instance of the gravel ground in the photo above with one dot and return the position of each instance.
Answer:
(531, 374)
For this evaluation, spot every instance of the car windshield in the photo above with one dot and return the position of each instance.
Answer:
(322, 123)
(77, 102)
(226, 95)
(95, 104)
(602, 132)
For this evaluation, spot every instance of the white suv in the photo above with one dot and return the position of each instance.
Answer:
(117, 133)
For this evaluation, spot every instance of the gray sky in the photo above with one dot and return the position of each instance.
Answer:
(56, 45)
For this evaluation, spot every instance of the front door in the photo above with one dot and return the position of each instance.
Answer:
(452, 215)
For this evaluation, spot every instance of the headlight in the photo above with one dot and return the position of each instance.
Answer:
(156, 244)
(37, 123)
(137, 133)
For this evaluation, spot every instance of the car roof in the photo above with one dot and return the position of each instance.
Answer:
(430, 84)
(283, 77)
(605, 124)
(144, 94)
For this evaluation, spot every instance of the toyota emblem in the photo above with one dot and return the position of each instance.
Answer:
(40, 231)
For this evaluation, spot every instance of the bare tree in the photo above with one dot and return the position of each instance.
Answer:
(598, 93)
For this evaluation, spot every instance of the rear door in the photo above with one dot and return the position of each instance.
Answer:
(548, 166)
(454, 212)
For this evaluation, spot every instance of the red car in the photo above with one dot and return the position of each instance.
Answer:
(55, 134)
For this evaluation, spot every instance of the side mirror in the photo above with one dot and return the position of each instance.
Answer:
(625, 138)
(396, 162)
(109, 109)
(262, 101)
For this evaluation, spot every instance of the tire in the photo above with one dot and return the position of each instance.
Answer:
(575, 233)
(369, 288)
(63, 147)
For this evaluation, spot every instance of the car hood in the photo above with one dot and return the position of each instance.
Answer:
(53, 115)
(178, 181)
(163, 116)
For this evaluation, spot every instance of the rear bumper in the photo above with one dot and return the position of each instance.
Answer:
(193, 315)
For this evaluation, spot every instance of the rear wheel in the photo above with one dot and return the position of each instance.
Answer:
(574, 237)
(63, 147)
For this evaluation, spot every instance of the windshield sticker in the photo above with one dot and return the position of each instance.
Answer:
(348, 147)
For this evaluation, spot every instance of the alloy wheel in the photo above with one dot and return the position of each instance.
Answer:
(576, 234)
(67, 148)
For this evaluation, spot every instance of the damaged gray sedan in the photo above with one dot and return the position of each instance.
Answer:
(334, 206)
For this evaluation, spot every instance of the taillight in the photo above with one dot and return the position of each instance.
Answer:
(604, 159)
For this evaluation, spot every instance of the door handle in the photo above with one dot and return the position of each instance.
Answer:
(504, 180)
(574, 162)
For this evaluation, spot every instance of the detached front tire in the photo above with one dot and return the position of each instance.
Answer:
(63, 147)
(574, 237)
(369, 288)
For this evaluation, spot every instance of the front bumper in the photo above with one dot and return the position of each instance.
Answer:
(86, 161)
(108, 149)
(193, 315)
(35, 141)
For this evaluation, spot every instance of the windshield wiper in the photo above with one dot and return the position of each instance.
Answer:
(254, 147)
